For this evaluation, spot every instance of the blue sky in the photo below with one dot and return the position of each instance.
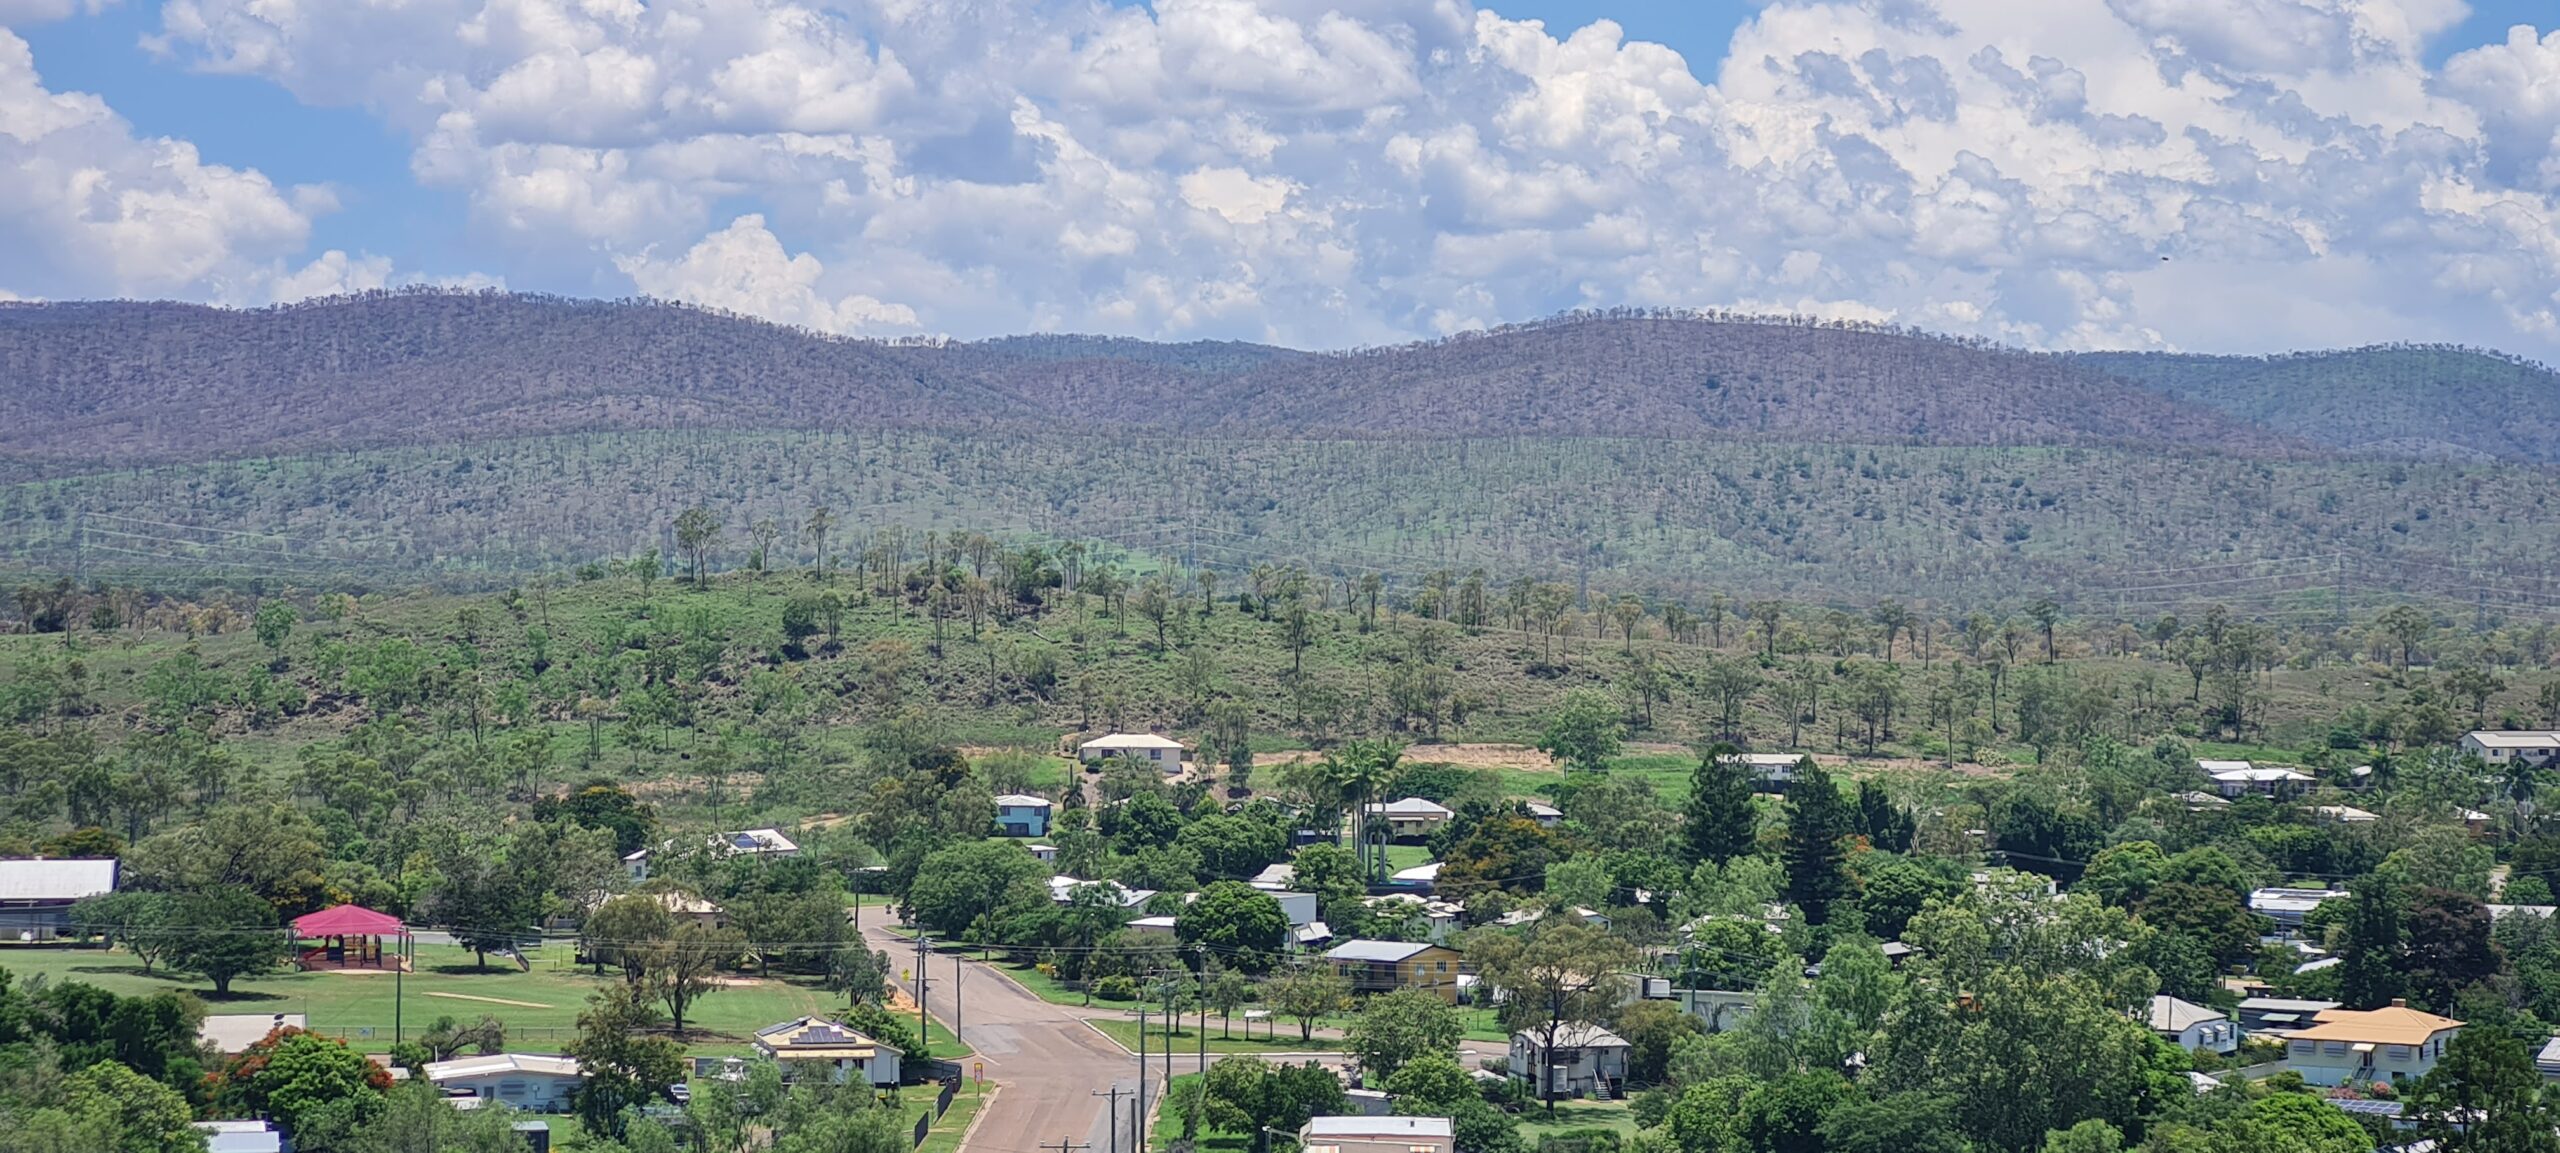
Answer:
(2056, 173)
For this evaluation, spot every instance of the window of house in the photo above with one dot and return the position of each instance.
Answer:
(2302, 1048)
(2333, 1048)
(2398, 1052)
(1155, 754)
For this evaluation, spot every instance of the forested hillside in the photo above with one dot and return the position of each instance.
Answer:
(2416, 401)
(477, 437)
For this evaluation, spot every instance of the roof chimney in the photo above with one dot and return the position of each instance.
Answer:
(2399, 1002)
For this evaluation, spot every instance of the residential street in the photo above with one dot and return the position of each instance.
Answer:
(1050, 1063)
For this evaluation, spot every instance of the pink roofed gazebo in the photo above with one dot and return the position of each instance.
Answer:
(351, 937)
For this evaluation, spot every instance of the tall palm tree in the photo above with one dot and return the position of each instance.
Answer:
(1362, 773)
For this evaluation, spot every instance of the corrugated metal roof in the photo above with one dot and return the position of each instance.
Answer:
(1378, 1127)
(32, 880)
(1374, 951)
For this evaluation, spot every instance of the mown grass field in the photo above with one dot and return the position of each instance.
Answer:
(540, 1008)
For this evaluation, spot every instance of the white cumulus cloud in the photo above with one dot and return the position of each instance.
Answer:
(2062, 173)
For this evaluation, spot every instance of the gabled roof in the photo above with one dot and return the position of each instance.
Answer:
(2171, 1015)
(1023, 801)
(1574, 1035)
(1767, 760)
(1412, 807)
(1542, 810)
(34, 880)
(814, 1037)
(1387, 951)
(2248, 772)
(758, 841)
(347, 921)
(2397, 1025)
(501, 1064)
(1131, 741)
(2526, 739)
(1428, 871)
(2344, 814)
(2211, 767)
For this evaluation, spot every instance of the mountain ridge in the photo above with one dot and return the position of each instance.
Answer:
(165, 383)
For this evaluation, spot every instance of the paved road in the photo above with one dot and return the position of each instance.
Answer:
(1048, 1060)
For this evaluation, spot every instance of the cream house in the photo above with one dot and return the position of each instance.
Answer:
(2394, 1044)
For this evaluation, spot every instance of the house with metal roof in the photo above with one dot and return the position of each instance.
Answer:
(815, 1047)
(2397, 1043)
(2537, 747)
(538, 1082)
(36, 895)
(1387, 966)
(1023, 815)
(2193, 1026)
(2234, 778)
(1770, 772)
(1586, 1060)
(1408, 818)
(2287, 907)
(1366, 1134)
(1162, 752)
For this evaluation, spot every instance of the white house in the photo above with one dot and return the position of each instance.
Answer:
(1587, 1061)
(1408, 818)
(2394, 1044)
(241, 1137)
(1300, 908)
(1770, 772)
(1162, 926)
(1023, 815)
(1422, 876)
(1163, 752)
(1063, 890)
(818, 1047)
(1365, 1134)
(36, 895)
(1545, 814)
(2547, 1062)
(536, 1082)
(2287, 907)
(2539, 747)
(1045, 854)
(758, 843)
(2344, 814)
(2233, 778)
(2193, 1026)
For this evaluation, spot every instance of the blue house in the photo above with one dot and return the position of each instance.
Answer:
(1023, 815)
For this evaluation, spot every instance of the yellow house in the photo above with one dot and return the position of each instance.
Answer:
(1387, 966)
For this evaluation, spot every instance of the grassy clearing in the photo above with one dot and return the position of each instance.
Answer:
(1187, 1039)
(362, 1007)
(1611, 1115)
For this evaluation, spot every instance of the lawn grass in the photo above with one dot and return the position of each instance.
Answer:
(1186, 1039)
(1483, 1023)
(945, 1137)
(1614, 1116)
(361, 1007)
(1407, 856)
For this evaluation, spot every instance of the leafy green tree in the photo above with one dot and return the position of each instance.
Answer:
(1559, 973)
(2020, 1055)
(1786, 1115)
(1307, 994)
(2294, 1123)
(2369, 972)
(1584, 730)
(1433, 1083)
(2448, 946)
(223, 932)
(958, 885)
(138, 921)
(2090, 1136)
(622, 1066)
(1887, 826)
(309, 1083)
(697, 533)
(145, 1115)
(1900, 1123)
(1250, 1097)
(1818, 819)
(1401, 1026)
(274, 624)
(1238, 922)
(2485, 1097)
(417, 1118)
(1722, 821)
(684, 966)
